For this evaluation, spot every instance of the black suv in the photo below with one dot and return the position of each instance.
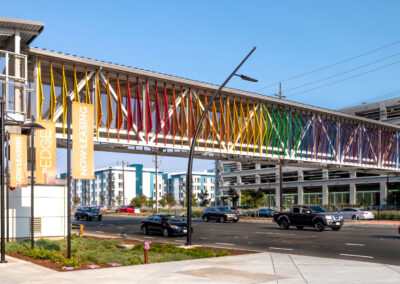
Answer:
(88, 213)
(221, 214)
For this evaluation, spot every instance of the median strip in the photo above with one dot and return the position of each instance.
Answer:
(356, 255)
(280, 248)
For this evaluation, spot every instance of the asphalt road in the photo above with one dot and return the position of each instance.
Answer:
(372, 244)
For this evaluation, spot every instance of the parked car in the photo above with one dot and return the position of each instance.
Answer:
(125, 208)
(263, 212)
(398, 229)
(88, 213)
(167, 224)
(351, 213)
(309, 215)
(221, 214)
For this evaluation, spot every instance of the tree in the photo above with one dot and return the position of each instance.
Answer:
(162, 202)
(170, 201)
(233, 196)
(102, 199)
(150, 203)
(194, 200)
(253, 198)
(204, 200)
(76, 200)
(119, 199)
(139, 201)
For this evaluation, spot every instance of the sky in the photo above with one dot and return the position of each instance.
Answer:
(353, 47)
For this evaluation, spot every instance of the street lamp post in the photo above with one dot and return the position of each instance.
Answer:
(194, 138)
(29, 129)
(3, 245)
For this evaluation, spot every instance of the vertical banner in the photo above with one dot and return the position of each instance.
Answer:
(18, 160)
(45, 143)
(82, 141)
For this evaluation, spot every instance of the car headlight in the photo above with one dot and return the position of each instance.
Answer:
(174, 227)
(328, 217)
(340, 217)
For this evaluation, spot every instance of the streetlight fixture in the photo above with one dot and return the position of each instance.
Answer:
(29, 129)
(193, 144)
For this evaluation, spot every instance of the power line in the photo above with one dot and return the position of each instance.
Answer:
(342, 73)
(384, 96)
(330, 65)
(345, 79)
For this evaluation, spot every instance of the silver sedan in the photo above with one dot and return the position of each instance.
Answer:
(351, 213)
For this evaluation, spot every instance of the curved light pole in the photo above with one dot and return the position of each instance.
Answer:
(190, 162)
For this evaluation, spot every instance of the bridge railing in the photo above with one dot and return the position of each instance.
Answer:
(162, 113)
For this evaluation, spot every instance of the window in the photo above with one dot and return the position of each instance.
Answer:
(120, 176)
(121, 184)
(296, 210)
(159, 186)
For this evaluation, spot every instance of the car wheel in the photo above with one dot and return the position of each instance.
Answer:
(353, 217)
(235, 221)
(86, 218)
(222, 219)
(165, 233)
(336, 228)
(284, 224)
(300, 227)
(77, 218)
(205, 219)
(145, 230)
(99, 219)
(319, 226)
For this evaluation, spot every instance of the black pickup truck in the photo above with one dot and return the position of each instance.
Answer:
(309, 215)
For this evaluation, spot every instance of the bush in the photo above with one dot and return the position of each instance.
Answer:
(387, 215)
(138, 247)
(222, 253)
(199, 253)
(48, 245)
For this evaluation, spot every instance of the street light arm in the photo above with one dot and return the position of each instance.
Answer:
(193, 145)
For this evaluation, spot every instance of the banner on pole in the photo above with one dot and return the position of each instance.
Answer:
(82, 141)
(45, 142)
(18, 160)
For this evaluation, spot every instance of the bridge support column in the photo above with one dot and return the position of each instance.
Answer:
(300, 192)
(353, 192)
(277, 199)
(325, 194)
(383, 191)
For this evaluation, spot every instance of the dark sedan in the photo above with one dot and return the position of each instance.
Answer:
(262, 213)
(166, 224)
(88, 213)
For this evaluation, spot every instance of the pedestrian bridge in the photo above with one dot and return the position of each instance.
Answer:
(138, 111)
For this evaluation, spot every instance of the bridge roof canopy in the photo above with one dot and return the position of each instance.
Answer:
(28, 30)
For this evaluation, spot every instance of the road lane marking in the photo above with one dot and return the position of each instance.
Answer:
(270, 233)
(280, 248)
(225, 244)
(148, 238)
(203, 238)
(180, 241)
(100, 232)
(356, 255)
(351, 244)
(120, 227)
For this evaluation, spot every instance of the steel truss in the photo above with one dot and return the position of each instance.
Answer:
(164, 111)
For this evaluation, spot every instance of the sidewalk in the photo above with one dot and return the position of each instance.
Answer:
(246, 269)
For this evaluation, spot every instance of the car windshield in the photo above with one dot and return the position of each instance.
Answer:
(172, 218)
(91, 209)
(317, 209)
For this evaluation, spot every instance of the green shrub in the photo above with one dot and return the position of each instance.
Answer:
(72, 262)
(48, 245)
(17, 247)
(199, 253)
(138, 247)
(222, 253)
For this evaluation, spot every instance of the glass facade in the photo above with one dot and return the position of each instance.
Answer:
(339, 198)
(312, 198)
(367, 198)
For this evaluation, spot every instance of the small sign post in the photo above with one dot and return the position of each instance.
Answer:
(146, 252)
